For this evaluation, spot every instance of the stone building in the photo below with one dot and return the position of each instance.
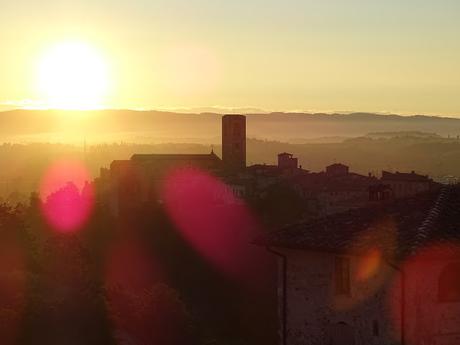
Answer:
(406, 184)
(131, 183)
(287, 161)
(387, 274)
(337, 169)
(139, 180)
(334, 193)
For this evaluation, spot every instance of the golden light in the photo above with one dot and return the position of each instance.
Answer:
(73, 75)
(190, 70)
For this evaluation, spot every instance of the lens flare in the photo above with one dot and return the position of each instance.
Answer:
(67, 196)
(213, 221)
(369, 264)
(430, 297)
(370, 251)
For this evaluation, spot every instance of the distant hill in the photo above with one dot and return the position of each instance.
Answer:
(403, 134)
(160, 126)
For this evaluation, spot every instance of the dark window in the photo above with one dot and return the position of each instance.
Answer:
(375, 328)
(342, 276)
(449, 283)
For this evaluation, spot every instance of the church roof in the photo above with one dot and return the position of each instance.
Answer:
(180, 156)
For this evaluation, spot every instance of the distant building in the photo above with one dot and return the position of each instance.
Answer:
(406, 184)
(287, 161)
(337, 169)
(234, 142)
(138, 180)
(335, 192)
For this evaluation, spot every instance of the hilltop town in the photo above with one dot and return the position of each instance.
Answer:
(342, 239)
(231, 252)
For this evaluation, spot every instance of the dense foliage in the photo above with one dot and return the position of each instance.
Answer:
(133, 281)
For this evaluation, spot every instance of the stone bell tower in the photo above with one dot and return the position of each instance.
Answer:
(234, 142)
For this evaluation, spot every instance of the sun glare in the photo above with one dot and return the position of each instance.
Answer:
(73, 75)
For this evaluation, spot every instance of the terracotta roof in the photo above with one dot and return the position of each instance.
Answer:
(398, 229)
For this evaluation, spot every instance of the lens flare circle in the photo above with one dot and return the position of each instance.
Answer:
(369, 265)
(427, 295)
(67, 196)
(215, 223)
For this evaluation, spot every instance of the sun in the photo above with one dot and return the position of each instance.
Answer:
(73, 75)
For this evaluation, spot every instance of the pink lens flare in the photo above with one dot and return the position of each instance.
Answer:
(431, 295)
(215, 223)
(67, 195)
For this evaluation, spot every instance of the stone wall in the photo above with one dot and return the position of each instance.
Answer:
(315, 313)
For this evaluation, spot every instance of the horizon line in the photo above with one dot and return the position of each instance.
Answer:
(233, 110)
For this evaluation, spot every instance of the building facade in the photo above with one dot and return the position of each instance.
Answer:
(131, 183)
(386, 274)
(406, 184)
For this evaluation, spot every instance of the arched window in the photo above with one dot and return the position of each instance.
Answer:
(449, 283)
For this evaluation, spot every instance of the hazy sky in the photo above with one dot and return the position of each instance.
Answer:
(330, 55)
